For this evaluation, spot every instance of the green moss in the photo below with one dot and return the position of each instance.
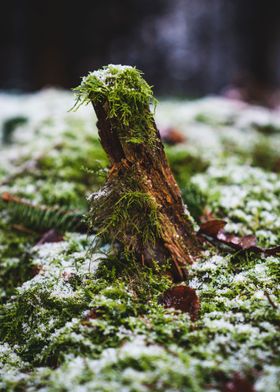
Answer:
(128, 97)
(80, 312)
(73, 317)
(98, 320)
(134, 218)
(15, 263)
(143, 282)
(102, 313)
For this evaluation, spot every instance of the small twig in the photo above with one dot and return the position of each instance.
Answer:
(270, 300)
(23, 229)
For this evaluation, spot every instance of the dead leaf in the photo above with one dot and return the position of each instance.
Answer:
(214, 230)
(172, 136)
(92, 314)
(36, 269)
(238, 384)
(50, 236)
(212, 227)
(67, 275)
(181, 298)
(248, 241)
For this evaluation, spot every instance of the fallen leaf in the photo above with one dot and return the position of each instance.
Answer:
(50, 236)
(92, 314)
(238, 384)
(214, 230)
(181, 298)
(6, 196)
(172, 136)
(248, 241)
(36, 269)
(67, 275)
(212, 227)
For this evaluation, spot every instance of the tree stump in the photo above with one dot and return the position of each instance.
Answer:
(140, 206)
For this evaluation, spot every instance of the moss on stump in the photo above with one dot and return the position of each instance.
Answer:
(140, 206)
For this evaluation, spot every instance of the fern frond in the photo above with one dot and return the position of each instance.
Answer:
(41, 217)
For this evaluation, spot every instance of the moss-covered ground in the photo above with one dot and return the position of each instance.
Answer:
(79, 317)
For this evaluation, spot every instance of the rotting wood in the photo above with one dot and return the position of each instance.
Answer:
(140, 204)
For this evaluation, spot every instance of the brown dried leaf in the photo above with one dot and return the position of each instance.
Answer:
(248, 241)
(172, 136)
(238, 384)
(214, 229)
(92, 314)
(67, 276)
(36, 269)
(50, 236)
(181, 298)
(6, 196)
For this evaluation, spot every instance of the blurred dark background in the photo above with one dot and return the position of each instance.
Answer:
(185, 47)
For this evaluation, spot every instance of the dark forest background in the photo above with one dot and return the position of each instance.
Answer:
(184, 47)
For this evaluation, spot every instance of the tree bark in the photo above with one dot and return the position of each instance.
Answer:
(177, 241)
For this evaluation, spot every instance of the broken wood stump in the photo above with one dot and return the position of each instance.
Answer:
(140, 206)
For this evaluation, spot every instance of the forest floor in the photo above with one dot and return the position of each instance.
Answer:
(79, 317)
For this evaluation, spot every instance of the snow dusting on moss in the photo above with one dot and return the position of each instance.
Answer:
(76, 319)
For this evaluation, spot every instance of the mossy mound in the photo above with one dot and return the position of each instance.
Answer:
(75, 316)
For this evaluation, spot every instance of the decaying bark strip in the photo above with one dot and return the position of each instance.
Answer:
(140, 205)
